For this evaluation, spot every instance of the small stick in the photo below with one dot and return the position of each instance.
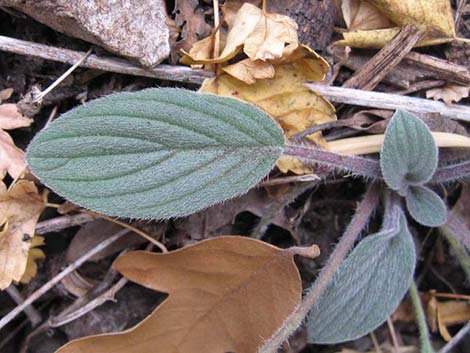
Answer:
(390, 101)
(215, 4)
(33, 315)
(112, 64)
(59, 277)
(374, 71)
(40, 96)
(59, 223)
(393, 334)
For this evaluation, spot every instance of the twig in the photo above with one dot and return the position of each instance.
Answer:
(59, 223)
(162, 72)
(56, 279)
(456, 339)
(393, 334)
(444, 69)
(33, 315)
(375, 70)
(40, 96)
(354, 229)
(418, 86)
(458, 14)
(390, 101)
(215, 4)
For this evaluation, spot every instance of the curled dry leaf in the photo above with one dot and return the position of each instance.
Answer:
(449, 93)
(360, 15)
(433, 15)
(235, 290)
(11, 157)
(20, 208)
(6, 93)
(230, 9)
(262, 36)
(34, 254)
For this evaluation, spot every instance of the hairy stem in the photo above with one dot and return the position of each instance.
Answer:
(426, 346)
(366, 167)
(359, 221)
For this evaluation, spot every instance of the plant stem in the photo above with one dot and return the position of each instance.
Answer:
(451, 173)
(359, 221)
(366, 167)
(426, 346)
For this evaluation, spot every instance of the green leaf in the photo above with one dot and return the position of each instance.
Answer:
(409, 153)
(425, 206)
(367, 287)
(157, 153)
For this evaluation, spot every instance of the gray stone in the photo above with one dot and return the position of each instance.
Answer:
(134, 29)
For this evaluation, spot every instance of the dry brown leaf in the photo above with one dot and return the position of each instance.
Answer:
(360, 15)
(20, 208)
(226, 294)
(34, 254)
(433, 15)
(262, 36)
(449, 93)
(11, 157)
(6, 93)
(230, 9)
(249, 71)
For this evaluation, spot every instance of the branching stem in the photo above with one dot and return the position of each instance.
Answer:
(360, 220)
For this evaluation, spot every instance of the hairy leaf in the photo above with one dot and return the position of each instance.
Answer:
(425, 206)
(226, 294)
(367, 287)
(157, 153)
(409, 153)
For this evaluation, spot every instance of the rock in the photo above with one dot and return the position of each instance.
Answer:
(135, 29)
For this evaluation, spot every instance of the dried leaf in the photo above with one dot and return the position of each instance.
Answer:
(234, 290)
(249, 71)
(262, 36)
(449, 93)
(360, 15)
(11, 157)
(34, 254)
(433, 15)
(6, 93)
(230, 9)
(20, 209)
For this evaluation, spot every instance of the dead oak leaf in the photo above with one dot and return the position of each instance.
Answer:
(230, 9)
(360, 15)
(20, 208)
(449, 93)
(262, 36)
(435, 16)
(11, 157)
(226, 294)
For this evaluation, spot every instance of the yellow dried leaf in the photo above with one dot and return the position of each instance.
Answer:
(262, 36)
(10, 118)
(449, 93)
(20, 208)
(34, 254)
(249, 71)
(6, 93)
(288, 163)
(433, 15)
(360, 15)
(226, 294)
(230, 9)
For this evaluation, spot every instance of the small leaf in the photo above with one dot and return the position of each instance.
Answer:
(425, 206)
(157, 153)
(367, 287)
(409, 153)
(226, 294)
